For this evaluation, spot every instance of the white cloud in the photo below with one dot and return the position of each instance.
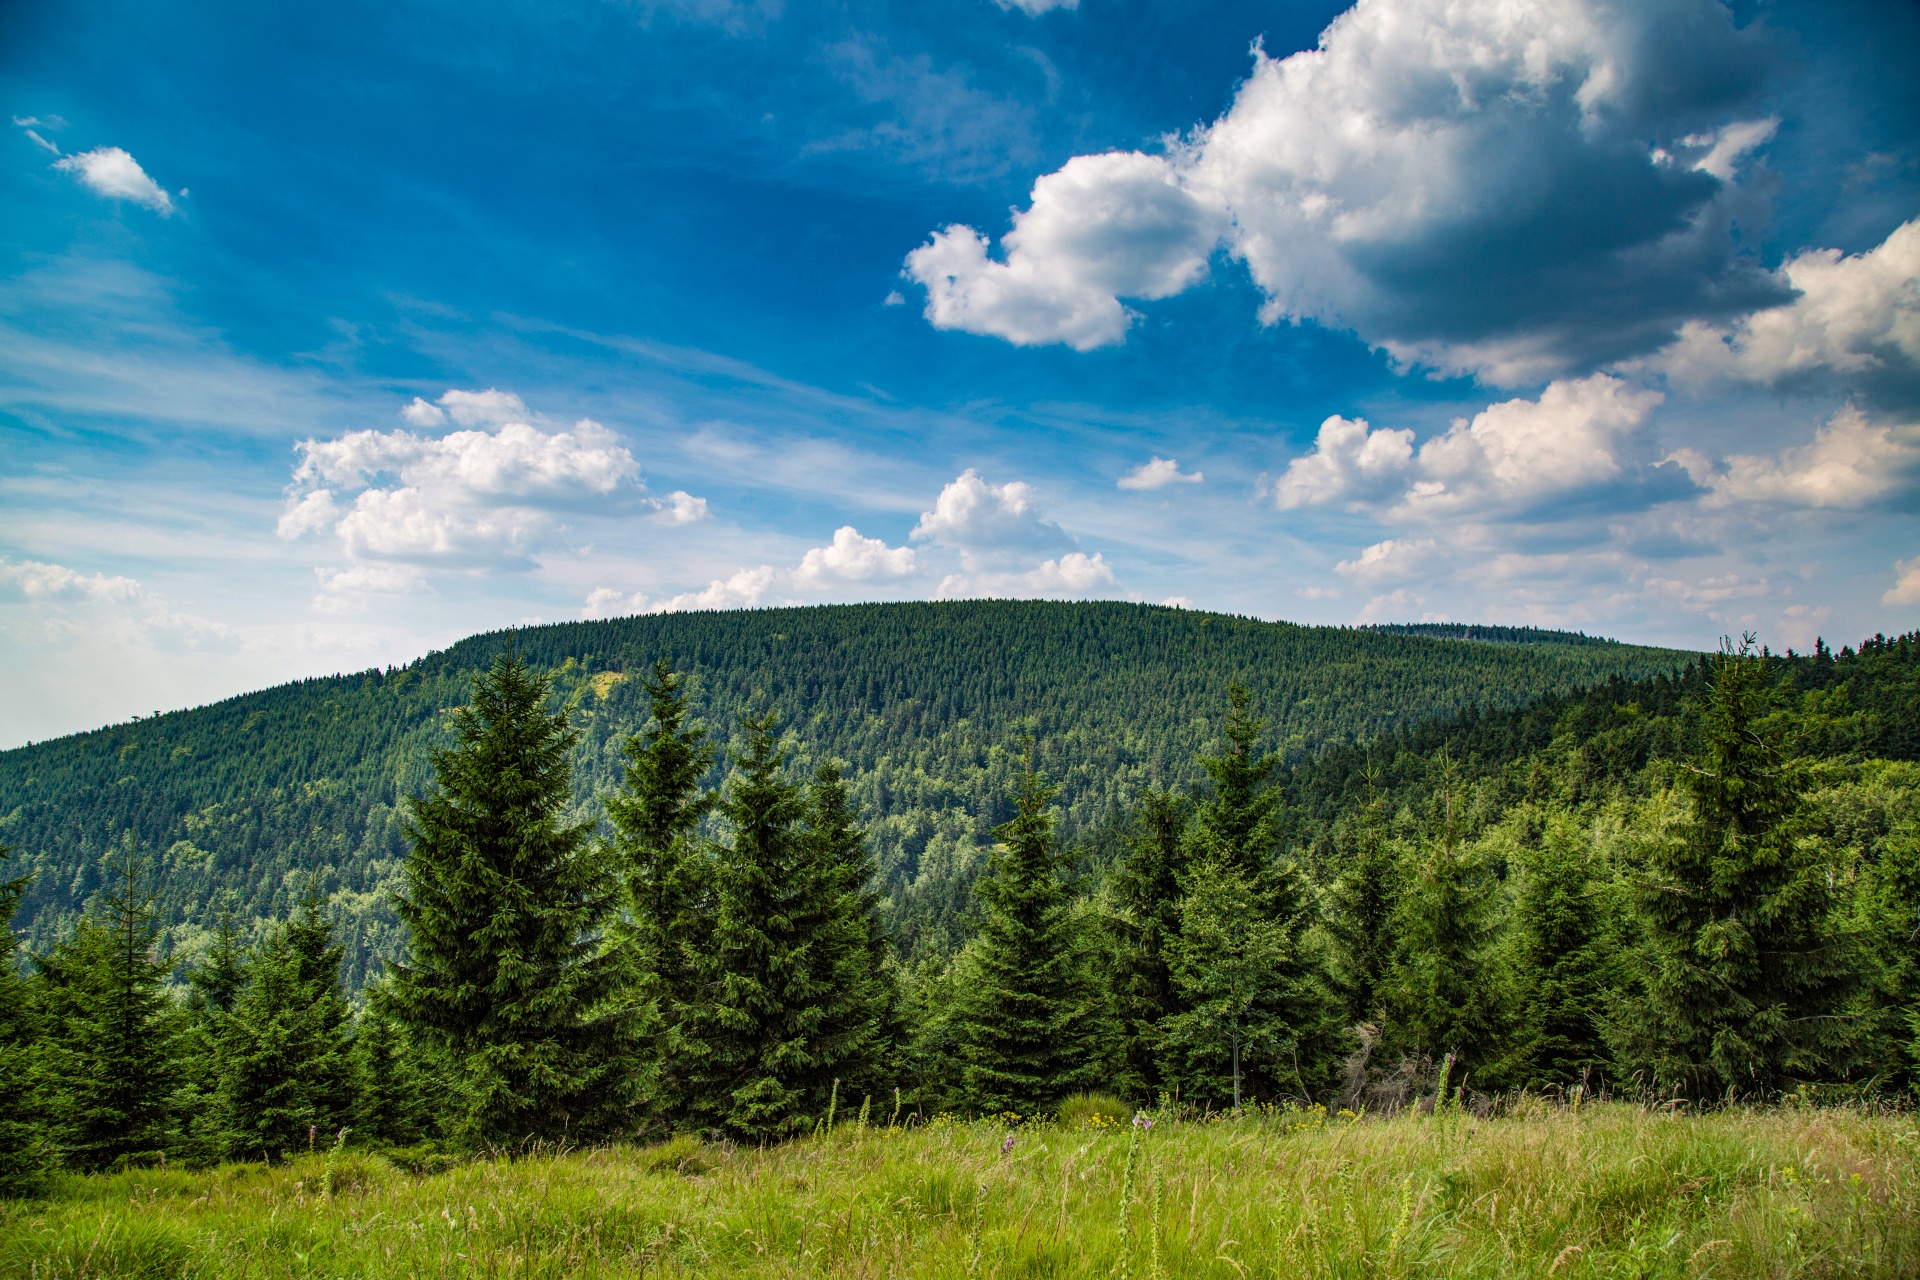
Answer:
(1507, 458)
(1851, 462)
(1034, 8)
(1075, 573)
(1474, 184)
(40, 581)
(746, 589)
(1179, 602)
(1395, 560)
(1906, 583)
(111, 172)
(980, 519)
(852, 558)
(1158, 473)
(1348, 463)
(1850, 314)
(1102, 228)
(486, 493)
(605, 602)
(350, 590)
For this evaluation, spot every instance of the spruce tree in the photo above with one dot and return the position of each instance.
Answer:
(23, 1155)
(1237, 969)
(1563, 952)
(765, 1044)
(1238, 824)
(1747, 972)
(110, 1048)
(1028, 1025)
(506, 902)
(861, 1030)
(392, 1096)
(288, 1071)
(1146, 894)
(1363, 900)
(667, 880)
(213, 988)
(1445, 993)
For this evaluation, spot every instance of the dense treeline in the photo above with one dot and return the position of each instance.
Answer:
(1699, 886)
(243, 801)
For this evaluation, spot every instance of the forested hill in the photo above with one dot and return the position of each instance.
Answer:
(925, 702)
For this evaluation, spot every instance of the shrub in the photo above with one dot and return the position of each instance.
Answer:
(1092, 1111)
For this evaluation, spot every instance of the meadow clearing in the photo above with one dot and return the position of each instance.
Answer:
(1610, 1190)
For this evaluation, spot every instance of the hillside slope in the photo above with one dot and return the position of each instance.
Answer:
(925, 702)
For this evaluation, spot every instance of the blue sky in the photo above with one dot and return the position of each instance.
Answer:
(329, 336)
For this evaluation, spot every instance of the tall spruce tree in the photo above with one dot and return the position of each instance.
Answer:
(1364, 898)
(766, 1035)
(1446, 994)
(1747, 971)
(1146, 921)
(393, 1103)
(288, 1070)
(1237, 825)
(1563, 947)
(506, 903)
(862, 1028)
(111, 1036)
(23, 1155)
(668, 880)
(213, 988)
(1028, 1025)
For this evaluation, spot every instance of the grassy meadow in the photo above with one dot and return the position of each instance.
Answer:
(1612, 1190)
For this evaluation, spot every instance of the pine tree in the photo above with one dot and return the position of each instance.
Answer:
(23, 1154)
(506, 903)
(765, 1063)
(668, 882)
(1146, 893)
(288, 1070)
(1446, 994)
(1364, 899)
(1232, 964)
(1747, 971)
(1238, 825)
(1028, 1025)
(1562, 958)
(111, 1036)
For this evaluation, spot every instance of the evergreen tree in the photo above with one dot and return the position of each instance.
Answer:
(1445, 991)
(288, 1069)
(22, 1138)
(1747, 971)
(392, 1106)
(1028, 1025)
(668, 880)
(111, 1035)
(1364, 899)
(861, 1030)
(767, 1045)
(1146, 895)
(1563, 950)
(1238, 825)
(213, 988)
(506, 902)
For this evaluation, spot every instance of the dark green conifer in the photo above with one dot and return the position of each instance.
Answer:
(213, 988)
(1146, 895)
(1238, 825)
(668, 882)
(1363, 899)
(1747, 971)
(288, 1071)
(862, 1027)
(1028, 1025)
(392, 1102)
(23, 1154)
(110, 1048)
(506, 902)
(1563, 953)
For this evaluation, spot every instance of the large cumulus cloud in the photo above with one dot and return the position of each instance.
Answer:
(1473, 184)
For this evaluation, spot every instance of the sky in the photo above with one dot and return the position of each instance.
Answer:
(332, 334)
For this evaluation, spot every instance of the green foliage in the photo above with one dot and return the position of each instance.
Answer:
(23, 1157)
(285, 1058)
(1028, 1025)
(109, 1035)
(1144, 922)
(505, 901)
(1092, 1111)
(1565, 946)
(395, 1083)
(1363, 902)
(248, 796)
(1747, 971)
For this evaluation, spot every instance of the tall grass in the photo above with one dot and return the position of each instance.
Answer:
(1610, 1191)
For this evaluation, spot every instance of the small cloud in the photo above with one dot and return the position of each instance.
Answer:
(1906, 583)
(111, 172)
(1158, 474)
(680, 507)
(853, 558)
(422, 414)
(1317, 593)
(1395, 560)
(894, 298)
(1179, 602)
(1034, 8)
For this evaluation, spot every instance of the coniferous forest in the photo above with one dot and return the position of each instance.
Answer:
(1378, 878)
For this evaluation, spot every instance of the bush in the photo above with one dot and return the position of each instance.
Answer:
(683, 1155)
(1092, 1111)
